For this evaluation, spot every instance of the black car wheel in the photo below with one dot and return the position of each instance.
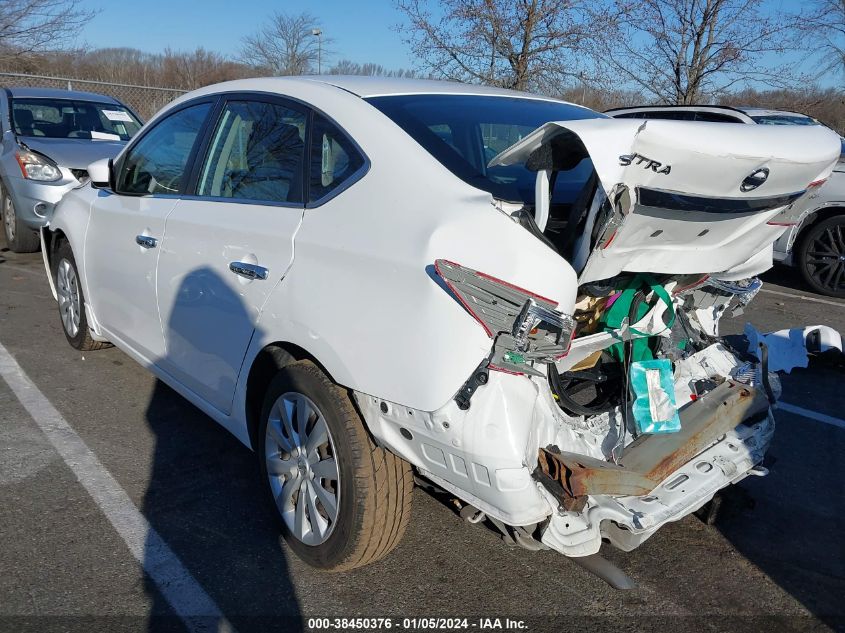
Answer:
(821, 256)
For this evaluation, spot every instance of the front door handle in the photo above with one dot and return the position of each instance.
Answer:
(146, 241)
(249, 271)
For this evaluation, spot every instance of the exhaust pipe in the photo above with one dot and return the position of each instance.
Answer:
(604, 569)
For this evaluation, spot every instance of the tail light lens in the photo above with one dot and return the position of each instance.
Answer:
(526, 327)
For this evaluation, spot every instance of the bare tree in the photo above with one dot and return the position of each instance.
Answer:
(827, 28)
(201, 67)
(348, 67)
(682, 51)
(520, 44)
(30, 26)
(285, 45)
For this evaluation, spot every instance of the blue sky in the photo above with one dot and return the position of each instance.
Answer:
(362, 29)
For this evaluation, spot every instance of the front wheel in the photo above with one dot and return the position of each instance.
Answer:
(821, 256)
(342, 502)
(72, 300)
(19, 237)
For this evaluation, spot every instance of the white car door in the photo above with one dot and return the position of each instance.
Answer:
(230, 244)
(127, 226)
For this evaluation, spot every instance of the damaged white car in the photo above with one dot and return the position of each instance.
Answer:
(513, 297)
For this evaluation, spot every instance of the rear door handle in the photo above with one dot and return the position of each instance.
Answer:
(146, 241)
(248, 271)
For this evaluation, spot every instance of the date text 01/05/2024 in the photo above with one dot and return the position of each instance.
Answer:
(417, 624)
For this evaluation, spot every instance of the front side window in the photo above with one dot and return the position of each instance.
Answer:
(334, 158)
(156, 164)
(68, 118)
(464, 132)
(257, 153)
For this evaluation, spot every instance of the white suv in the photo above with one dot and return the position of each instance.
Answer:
(362, 278)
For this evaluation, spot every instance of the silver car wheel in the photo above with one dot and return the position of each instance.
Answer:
(67, 290)
(9, 217)
(302, 468)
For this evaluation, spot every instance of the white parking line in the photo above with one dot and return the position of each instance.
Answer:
(184, 594)
(812, 415)
(826, 302)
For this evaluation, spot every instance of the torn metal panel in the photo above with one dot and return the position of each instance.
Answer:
(652, 458)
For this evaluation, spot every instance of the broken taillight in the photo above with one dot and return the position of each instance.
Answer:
(526, 327)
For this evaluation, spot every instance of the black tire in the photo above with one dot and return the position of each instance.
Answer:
(81, 339)
(820, 256)
(19, 237)
(375, 486)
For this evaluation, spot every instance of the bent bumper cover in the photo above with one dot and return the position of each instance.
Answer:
(35, 201)
(661, 478)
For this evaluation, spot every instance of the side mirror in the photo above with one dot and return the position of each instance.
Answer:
(100, 173)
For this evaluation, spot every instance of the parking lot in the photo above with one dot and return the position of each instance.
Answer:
(779, 565)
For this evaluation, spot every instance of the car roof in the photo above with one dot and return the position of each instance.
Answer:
(367, 86)
(55, 93)
(746, 110)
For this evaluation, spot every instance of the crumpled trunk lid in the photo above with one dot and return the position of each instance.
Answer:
(680, 197)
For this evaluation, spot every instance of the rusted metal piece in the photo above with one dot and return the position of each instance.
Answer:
(547, 473)
(652, 458)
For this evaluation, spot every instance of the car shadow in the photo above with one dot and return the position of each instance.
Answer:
(205, 499)
(787, 277)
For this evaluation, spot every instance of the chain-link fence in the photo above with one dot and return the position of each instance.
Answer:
(144, 100)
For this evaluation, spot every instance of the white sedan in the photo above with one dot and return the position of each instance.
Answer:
(512, 297)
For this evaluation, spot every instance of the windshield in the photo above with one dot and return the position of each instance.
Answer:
(464, 132)
(66, 118)
(784, 119)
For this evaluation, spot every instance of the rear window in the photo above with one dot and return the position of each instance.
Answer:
(784, 119)
(67, 118)
(464, 132)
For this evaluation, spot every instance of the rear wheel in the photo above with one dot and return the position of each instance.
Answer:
(19, 237)
(342, 502)
(821, 256)
(71, 300)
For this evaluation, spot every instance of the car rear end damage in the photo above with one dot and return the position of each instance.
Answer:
(541, 438)
(551, 478)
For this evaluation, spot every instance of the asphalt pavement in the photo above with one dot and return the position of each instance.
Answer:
(775, 559)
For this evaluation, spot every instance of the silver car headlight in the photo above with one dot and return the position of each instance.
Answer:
(37, 167)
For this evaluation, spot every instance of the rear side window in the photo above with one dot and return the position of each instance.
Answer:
(156, 164)
(464, 132)
(715, 117)
(669, 115)
(257, 153)
(334, 159)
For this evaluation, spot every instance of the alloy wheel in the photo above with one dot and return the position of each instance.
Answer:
(67, 290)
(302, 468)
(9, 217)
(826, 258)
